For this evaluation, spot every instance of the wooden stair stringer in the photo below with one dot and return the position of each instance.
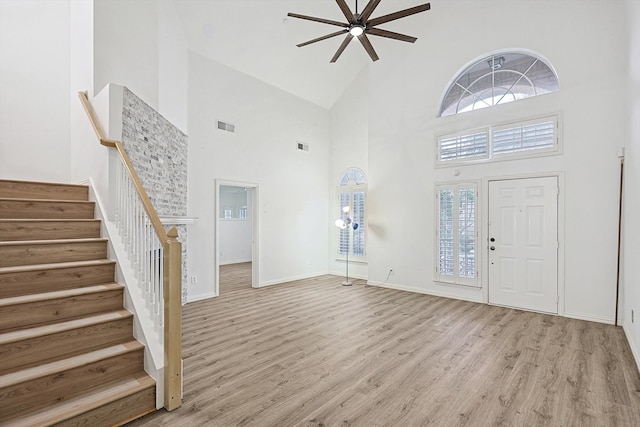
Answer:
(66, 342)
(94, 408)
(45, 385)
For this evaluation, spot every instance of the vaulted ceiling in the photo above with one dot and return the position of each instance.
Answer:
(257, 38)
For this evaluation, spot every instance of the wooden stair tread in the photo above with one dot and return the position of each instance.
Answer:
(48, 329)
(67, 342)
(51, 241)
(43, 190)
(29, 229)
(27, 299)
(59, 366)
(82, 404)
(23, 199)
(56, 265)
(31, 220)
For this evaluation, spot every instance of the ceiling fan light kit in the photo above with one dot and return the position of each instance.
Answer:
(359, 25)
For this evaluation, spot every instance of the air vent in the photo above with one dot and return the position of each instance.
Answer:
(226, 126)
(302, 146)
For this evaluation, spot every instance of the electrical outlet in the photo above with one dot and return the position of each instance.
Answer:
(194, 280)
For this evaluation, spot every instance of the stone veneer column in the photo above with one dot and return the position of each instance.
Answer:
(158, 151)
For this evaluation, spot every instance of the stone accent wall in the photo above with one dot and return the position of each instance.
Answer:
(158, 151)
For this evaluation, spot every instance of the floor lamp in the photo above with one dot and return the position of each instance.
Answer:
(345, 224)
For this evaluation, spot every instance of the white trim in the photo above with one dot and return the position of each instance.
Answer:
(423, 291)
(351, 276)
(490, 156)
(351, 189)
(201, 297)
(466, 66)
(635, 349)
(484, 249)
(486, 130)
(440, 279)
(178, 220)
(590, 318)
(289, 279)
(236, 261)
(143, 328)
(255, 214)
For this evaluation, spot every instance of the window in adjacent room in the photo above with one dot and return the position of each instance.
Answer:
(457, 233)
(233, 202)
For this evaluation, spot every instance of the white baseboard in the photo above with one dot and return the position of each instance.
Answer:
(289, 279)
(589, 318)
(635, 349)
(423, 291)
(351, 276)
(235, 261)
(201, 297)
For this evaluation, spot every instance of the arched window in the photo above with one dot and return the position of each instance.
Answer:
(352, 192)
(498, 79)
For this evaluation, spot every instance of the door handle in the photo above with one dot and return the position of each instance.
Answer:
(493, 248)
(492, 239)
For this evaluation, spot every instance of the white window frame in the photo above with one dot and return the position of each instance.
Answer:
(494, 64)
(455, 277)
(352, 180)
(362, 228)
(557, 148)
(485, 130)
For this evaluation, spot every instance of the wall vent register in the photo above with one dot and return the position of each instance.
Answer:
(228, 127)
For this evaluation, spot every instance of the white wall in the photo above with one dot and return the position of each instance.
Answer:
(140, 44)
(87, 157)
(349, 148)
(405, 91)
(126, 46)
(631, 284)
(292, 184)
(34, 90)
(173, 66)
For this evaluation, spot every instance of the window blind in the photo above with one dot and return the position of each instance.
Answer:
(469, 146)
(533, 136)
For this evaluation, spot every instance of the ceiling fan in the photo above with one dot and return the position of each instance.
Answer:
(359, 25)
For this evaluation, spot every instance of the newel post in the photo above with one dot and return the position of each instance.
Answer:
(173, 322)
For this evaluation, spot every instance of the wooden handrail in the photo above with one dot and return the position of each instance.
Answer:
(146, 202)
(84, 98)
(172, 271)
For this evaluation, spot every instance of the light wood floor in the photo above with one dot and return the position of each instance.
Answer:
(315, 353)
(234, 277)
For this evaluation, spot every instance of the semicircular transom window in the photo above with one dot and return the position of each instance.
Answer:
(498, 79)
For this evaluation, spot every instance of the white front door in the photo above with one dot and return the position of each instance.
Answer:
(523, 243)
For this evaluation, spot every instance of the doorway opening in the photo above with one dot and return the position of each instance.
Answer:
(236, 236)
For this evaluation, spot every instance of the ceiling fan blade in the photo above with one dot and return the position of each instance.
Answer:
(321, 20)
(342, 47)
(368, 10)
(398, 15)
(368, 47)
(347, 12)
(391, 35)
(328, 36)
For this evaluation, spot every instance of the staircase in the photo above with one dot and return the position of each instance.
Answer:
(67, 353)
